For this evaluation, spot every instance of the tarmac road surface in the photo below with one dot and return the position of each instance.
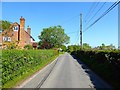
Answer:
(65, 72)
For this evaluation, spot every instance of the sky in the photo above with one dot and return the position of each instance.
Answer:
(39, 15)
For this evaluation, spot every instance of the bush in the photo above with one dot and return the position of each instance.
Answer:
(28, 46)
(11, 45)
(16, 63)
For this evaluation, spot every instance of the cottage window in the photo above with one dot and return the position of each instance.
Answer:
(15, 28)
(6, 38)
(9, 39)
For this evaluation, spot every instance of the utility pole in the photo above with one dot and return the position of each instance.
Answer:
(81, 30)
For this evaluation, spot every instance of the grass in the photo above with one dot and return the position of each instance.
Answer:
(60, 53)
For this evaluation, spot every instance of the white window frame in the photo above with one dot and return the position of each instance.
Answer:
(15, 28)
(4, 39)
(7, 39)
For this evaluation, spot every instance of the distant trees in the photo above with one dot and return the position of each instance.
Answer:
(70, 48)
(104, 47)
(63, 47)
(53, 37)
(86, 46)
(78, 47)
(73, 48)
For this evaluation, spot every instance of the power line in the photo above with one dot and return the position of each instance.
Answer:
(89, 11)
(92, 10)
(96, 12)
(105, 13)
(72, 32)
(70, 19)
(76, 38)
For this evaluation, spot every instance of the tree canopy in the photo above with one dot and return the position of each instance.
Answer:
(63, 47)
(108, 47)
(53, 37)
(4, 25)
(86, 46)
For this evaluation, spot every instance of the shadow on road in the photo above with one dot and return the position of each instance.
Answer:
(96, 80)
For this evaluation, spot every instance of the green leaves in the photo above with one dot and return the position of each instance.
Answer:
(105, 63)
(17, 62)
(4, 25)
(28, 46)
(53, 37)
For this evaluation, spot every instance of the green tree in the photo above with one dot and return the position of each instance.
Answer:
(102, 47)
(63, 47)
(76, 47)
(110, 47)
(4, 25)
(86, 46)
(53, 37)
(73, 48)
(70, 48)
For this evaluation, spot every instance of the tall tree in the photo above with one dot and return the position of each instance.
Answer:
(53, 37)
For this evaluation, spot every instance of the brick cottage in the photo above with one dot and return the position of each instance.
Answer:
(17, 33)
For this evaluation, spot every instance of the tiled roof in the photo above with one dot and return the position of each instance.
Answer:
(29, 35)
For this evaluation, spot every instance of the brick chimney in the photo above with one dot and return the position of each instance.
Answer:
(28, 30)
(21, 32)
(22, 23)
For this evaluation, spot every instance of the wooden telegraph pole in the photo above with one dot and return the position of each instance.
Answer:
(81, 31)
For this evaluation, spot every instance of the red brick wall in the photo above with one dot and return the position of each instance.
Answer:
(27, 38)
(14, 34)
(20, 35)
(22, 32)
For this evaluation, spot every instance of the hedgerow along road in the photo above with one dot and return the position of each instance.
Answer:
(65, 72)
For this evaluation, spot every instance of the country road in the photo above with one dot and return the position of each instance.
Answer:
(65, 72)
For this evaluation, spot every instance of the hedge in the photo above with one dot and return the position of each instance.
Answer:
(104, 63)
(18, 62)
